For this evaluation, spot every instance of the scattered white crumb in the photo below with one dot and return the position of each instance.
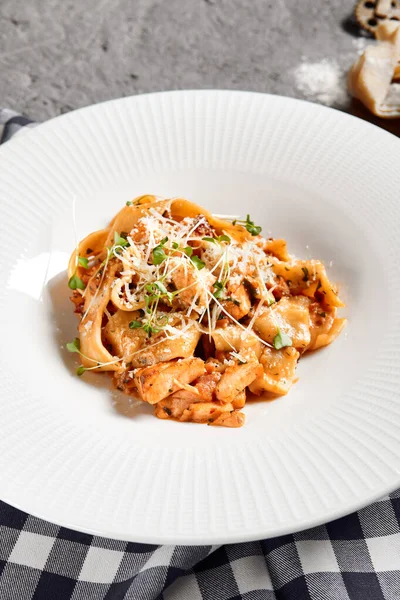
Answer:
(360, 44)
(323, 81)
(88, 325)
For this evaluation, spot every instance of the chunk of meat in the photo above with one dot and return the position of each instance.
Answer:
(278, 373)
(203, 412)
(207, 384)
(202, 390)
(156, 382)
(168, 349)
(240, 400)
(254, 287)
(193, 284)
(213, 365)
(213, 413)
(234, 418)
(186, 405)
(279, 288)
(237, 302)
(237, 377)
(290, 315)
(174, 405)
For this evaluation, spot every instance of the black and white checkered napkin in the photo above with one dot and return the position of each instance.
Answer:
(353, 558)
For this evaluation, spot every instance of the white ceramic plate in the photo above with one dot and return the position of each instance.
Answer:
(325, 181)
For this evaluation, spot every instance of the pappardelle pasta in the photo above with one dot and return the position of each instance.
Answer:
(192, 312)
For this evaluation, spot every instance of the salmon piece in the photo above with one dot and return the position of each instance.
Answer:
(234, 418)
(207, 384)
(173, 406)
(203, 412)
(240, 400)
(237, 377)
(156, 382)
(213, 413)
(203, 391)
(213, 365)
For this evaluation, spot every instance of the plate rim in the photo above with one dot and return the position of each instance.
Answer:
(335, 512)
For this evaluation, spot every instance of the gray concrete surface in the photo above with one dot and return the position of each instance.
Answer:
(57, 55)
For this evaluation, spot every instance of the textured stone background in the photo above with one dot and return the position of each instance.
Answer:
(56, 55)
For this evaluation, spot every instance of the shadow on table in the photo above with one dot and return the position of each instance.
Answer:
(358, 110)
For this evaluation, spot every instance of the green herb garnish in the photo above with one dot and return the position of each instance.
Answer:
(249, 224)
(83, 261)
(198, 263)
(219, 239)
(119, 240)
(188, 251)
(74, 346)
(282, 340)
(159, 253)
(219, 288)
(150, 329)
(235, 302)
(76, 282)
(80, 370)
(129, 203)
(135, 325)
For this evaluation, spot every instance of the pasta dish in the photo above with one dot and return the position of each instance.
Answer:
(192, 312)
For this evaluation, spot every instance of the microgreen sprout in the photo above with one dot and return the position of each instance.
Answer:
(74, 346)
(188, 250)
(219, 288)
(249, 224)
(159, 253)
(282, 340)
(235, 302)
(198, 263)
(83, 261)
(120, 240)
(76, 283)
(217, 240)
(129, 203)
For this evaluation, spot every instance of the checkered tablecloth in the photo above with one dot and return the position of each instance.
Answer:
(353, 558)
